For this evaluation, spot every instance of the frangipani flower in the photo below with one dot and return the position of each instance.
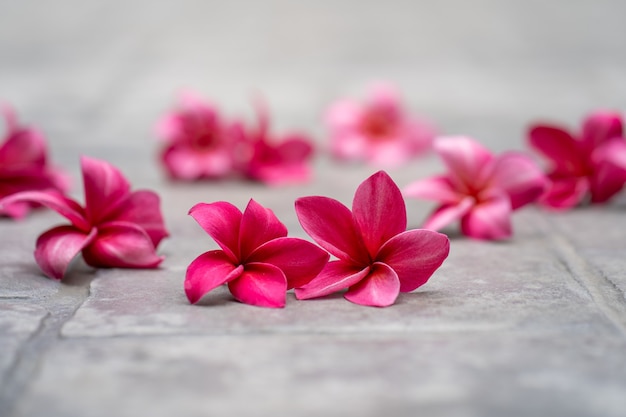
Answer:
(591, 165)
(198, 142)
(479, 189)
(23, 165)
(379, 131)
(116, 228)
(257, 261)
(377, 257)
(270, 159)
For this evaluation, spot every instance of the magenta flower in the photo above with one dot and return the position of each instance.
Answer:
(379, 131)
(273, 160)
(24, 166)
(198, 143)
(116, 228)
(377, 257)
(257, 261)
(480, 189)
(592, 165)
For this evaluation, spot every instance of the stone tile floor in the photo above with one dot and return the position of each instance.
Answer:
(533, 326)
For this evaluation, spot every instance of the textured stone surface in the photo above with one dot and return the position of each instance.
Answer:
(533, 326)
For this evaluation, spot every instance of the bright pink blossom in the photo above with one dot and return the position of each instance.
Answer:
(379, 131)
(377, 257)
(116, 228)
(257, 260)
(24, 165)
(479, 189)
(198, 142)
(271, 159)
(591, 165)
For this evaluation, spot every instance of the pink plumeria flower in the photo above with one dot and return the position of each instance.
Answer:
(270, 159)
(589, 166)
(377, 257)
(379, 131)
(480, 189)
(23, 165)
(257, 260)
(115, 228)
(198, 142)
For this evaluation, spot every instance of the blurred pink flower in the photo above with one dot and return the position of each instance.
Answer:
(198, 142)
(479, 189)
(257, 261)
(24, 165)
(116, 228)
(377, 257)
(592, 165)
(379, 131)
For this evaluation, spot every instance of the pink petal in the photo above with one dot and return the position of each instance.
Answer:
(105, 188)
(435, 188)
(332, 226)
(207, 272)
(258, 226)
(612, 151)
(520, 177)
(221, 220)
(415, 255)
(489, 219)
(379, 289)
(58, 246)
(299, 260)
(468, 161)
(558, 146)
(601, 126)
(54, 200)
(336, 276)
(565, 193)
(449, 213)
(121, 245)
(262, 285)
(295, 148)
(379, 211)
(23, 149)
(190, 164)
(343, 114)
(15, 210)
(143, 209)
(606, 181)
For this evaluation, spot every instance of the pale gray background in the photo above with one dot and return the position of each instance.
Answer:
(534, 326)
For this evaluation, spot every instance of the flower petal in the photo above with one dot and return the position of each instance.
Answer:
(379, 289)
(336, 276)
(23, 149)
(105, 188)
(489, 219)
(600, 127)
(258, 226)
(520, 177)
(332, 226)
(565, 193)
(415, 255)
(379, 211)
(143, 209)
(207, 272)
(469, 162)
(607, 180)
(448, 213)
(54, 200)
(58, 246)
(299, 260)
(187, 163)
(437, 188)
(558, 146)
(260, 284)
(221, 220)
(121, 245)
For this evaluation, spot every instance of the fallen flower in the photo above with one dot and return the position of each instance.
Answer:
(198, 142)
(24, 165)
(377, 257)
(480, 189)
(379, 131)
(592, 165)
(116, 228)
(257, 261)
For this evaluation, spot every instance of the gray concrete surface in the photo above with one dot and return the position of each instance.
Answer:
(531, 327)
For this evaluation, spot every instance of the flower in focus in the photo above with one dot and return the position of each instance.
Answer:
(24, 165)
(379, 131)
(198, 142)
(116, 228)
(257, 260)
(272, 160)
(480, 189)
(592, 165)
(377, 257)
